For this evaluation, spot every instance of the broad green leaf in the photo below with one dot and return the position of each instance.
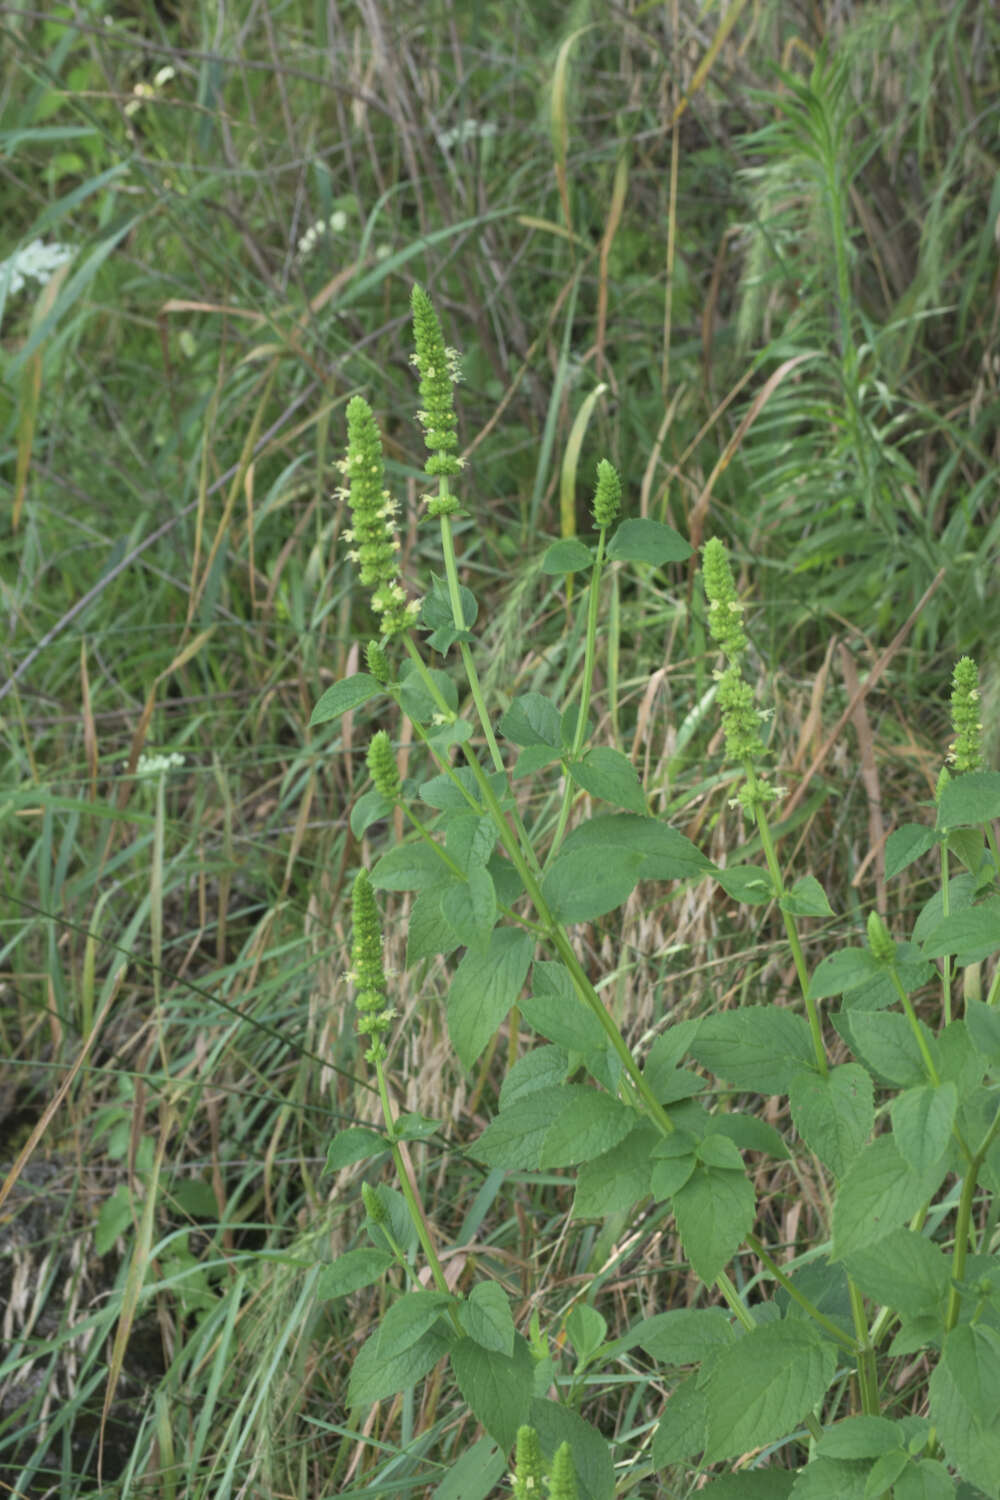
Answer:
(589, 1123)
(970, 800)
(885, 1471)
(429, 932)
(834, 1115)
(398, 1221)
(475, 1474)
(667, 1051)
(486, 1317)
(408, 1319)
(470, 907)
(962, 894)
(374, 1377)
(496, 1386)
(972, 934)
(541, 1068)
(922, 1118)
(532, 720)
(371, 807)
(717, 1150)
(410, 867)
(415, 697)
(343, 696)
(748, 884)
(904, 1271)
(685, 1336)
(646, 541)
(610, 775)
(515, 1138)
(416, 1127)
(878, 1193)
(906, 844)
(926, 1480)
(842, 972)
(750, 1134)
(983, 1024)
(612, 1183)
(442, 793)
(486, 984)
(534, 758)
(586, 1331)
(506, 881)
(556, 1424)
(964, 1401)
(555, 1009)
(759, 1048)
(762, 1386)
(673, 1162)
(714, 1210)
(885, 1043)
(352, 1270)
(751, 1484)
(354, 1144)
(806, 898)
(666, 854)
(568, 556)
(580, 885)
(683, 1428)
(832, 1479)
(859, 1437)
(470, 839)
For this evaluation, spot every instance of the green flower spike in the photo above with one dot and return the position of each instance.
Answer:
(374, 1207)
(740, 720)
(724, 608)
(562, 1483)
(382, 768)
(607, 495)
(373, 514)
(438, 369)
(967, 751)
(375, 1014)
(529, 1472)
(880, 939)
(378, 663)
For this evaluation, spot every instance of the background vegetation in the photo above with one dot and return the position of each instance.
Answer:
(746, 253)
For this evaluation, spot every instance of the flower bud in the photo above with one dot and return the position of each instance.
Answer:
(967, 750)
(378, 663)
(383, 769)
(438, 368)
(879, 939)
(367, 974)
(724, 607)
(562, 1482)
(374, 1207)
(529, 1472)
(607, 495)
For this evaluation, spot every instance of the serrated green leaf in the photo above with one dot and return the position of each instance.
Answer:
(748, 884)
(532, 720)
(834, 1115)
(475, 1474)
(906, 844)
(428, 931)
(373, 1377)
(832, 1479)
(885, 1043)
(751, 1484)
(806, 898)
(408, 1319)
(586, 1331)
(904, 1270)
(668, 1049)
(556, 1424)
(759, 1047)
(970, 800)
(714, 1211)
(761, 1387)
(613, 1182)
(878, 1193)
(610, 775)
(416, 1127)
(415, 697)
(355, 1144)
(751, 1134)
(496, 1386)
(922, 1118)
(646, 541)
(843, 972)
(470, 908)
(410, 867)
(666, 854)
(556, 1011)
(542, 1068)
(351, 1271)
(515, 1138)
(486, 984)
(589, 1123)
(343, 696)
(860, 1437)
(371, 807)
(926, 1480)
(964, 1400)
(470, 840)
(683, 1428)
(486, 1317)
(884, 1473)
(534, 758)
(568, 556)
(578, 887)
(983, 1024)
(674, 1160)
(717, 1150)
(972, 934)
(685, 1336)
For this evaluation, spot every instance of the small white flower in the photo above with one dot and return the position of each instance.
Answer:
(151, 766)
(466, 130)
(163, 76)
(38, 260)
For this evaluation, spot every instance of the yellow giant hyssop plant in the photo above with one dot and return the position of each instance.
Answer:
(792, 1392)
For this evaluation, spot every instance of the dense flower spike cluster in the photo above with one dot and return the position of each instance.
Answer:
(368, 976)
(966, 753)
(378, 663)
(438, 369)
(382, 768)
(607, 495)
(562, 1484)
(880, 941)
(725, 611)
(528, 1471)
(373, 512)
